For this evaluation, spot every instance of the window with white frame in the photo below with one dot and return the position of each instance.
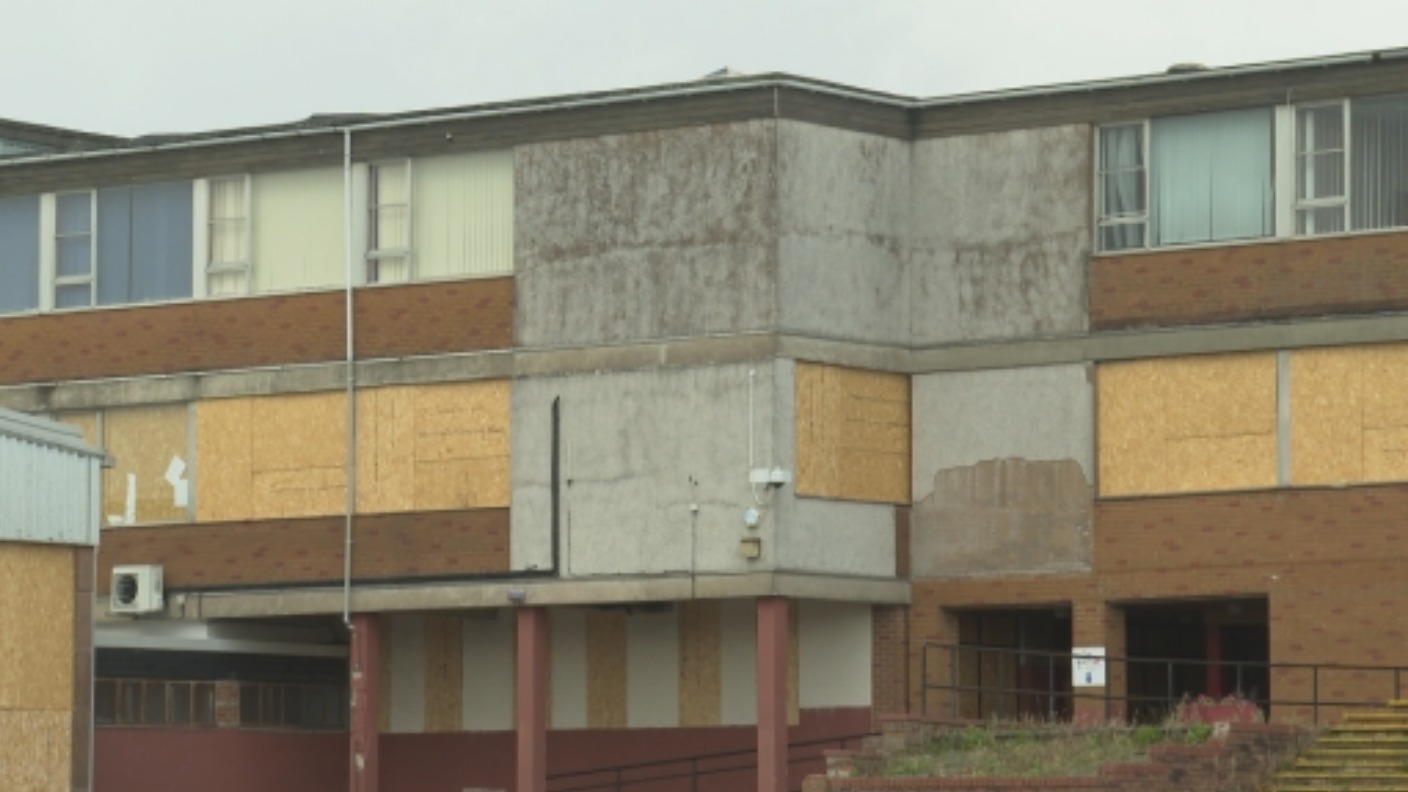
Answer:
(227, 254)
(389, 222)
(1186, 179)
(73, 250)
(1352, 165)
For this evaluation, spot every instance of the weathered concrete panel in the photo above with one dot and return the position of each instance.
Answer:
(844, 202)
(652, 235)
(1037, 413)
(1003, 471)
(1008, 515)
(638, 448)
(1000, 235)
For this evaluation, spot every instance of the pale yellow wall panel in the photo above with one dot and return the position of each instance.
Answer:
(853, 434)
(36, 627)
(606, 669)
(701, 656)
(36, 750)
(297, 228)
(1187, 424)
(444, 673)
(463, 214)
(144, 441)
(225, 481)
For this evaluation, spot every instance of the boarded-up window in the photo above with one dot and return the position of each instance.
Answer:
(150, 481)
(853, 434)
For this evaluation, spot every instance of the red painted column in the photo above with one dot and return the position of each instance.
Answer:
(364, 673)
(532, 700)
(1213, 681)
(772, 694)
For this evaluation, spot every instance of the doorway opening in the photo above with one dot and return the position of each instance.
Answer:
(1014, 663)
(1180, 651)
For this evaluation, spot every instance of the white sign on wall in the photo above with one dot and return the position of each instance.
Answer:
(1088, 666)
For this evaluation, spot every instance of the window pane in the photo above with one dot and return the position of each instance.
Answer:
(1122, 147)
(1124, 193)
(129, 702)
(19, 254)
(1320, 175)
(75, 256)
(249, 705)
(153, 703)
(1325, 220)
(1211, 177)
(75, 211)
(1124, 236)
(78, 296)
(1379, 167)
(144, 243)
(1320, 129)
(180, 703)
(227, 221)
(104, 701)
(203, 709)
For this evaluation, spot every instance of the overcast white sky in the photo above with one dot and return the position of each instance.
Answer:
(137, 66)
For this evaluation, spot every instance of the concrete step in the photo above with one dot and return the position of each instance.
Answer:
(1395, 716)
(1393, 763)
(1354, 776)
(1379, 727)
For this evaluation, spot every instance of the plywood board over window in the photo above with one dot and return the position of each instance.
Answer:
(150, 481)
(433, 447)
(270, 457)
(853, 434)
(1188, 424)
(1349, 421)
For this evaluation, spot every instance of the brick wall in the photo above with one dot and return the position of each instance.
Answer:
(272, 552)
(889, 660)
(420, 319)
(1274, 280)
(1329, 562)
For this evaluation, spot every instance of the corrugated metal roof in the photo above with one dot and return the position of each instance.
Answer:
(46, 433)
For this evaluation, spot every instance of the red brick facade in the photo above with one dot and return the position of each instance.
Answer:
(276, 552)
(207, 335)
(1272, 280)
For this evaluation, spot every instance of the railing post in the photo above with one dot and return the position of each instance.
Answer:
(1169, 700)
(952, 681)
(1238, 666)
(1051, 687)
(1315, 695)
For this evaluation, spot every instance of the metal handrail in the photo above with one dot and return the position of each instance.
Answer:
(1053, 694)
(619, 781)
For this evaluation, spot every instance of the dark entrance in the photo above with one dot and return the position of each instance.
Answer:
(1180, 651)
(1014, 663)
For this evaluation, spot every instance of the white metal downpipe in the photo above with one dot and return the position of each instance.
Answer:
(350, 507)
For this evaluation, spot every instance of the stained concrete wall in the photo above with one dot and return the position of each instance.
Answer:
(1003, 471)
(1000, 235)
(844, 209)
(650, 235)
(637, 449)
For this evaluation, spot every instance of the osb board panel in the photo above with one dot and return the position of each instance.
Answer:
(1187, 424)
(419, 319)
(1308, 277)
(309, 550)
(433, 447)
(35, 750)
(444, 673)
(1348, 422)
(144, 441)
(606, 669)
(85, 422)
(701, 655)
(36, 627)
(853, 434)
(279, 456)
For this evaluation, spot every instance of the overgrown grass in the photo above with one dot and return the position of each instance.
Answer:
(1033, 750)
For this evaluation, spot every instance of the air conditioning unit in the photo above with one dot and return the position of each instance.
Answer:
(136, 589)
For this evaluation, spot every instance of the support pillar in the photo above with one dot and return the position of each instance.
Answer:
(772, 694)
(364, 675)
(532, 700)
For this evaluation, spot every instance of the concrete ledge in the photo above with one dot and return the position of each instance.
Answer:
(470, 594)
